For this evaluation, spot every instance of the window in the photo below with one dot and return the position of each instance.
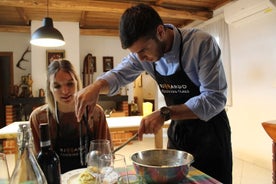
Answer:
(219, 29)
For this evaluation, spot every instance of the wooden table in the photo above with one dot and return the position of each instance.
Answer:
(270, 128)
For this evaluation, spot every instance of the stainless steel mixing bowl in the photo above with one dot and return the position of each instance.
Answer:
(162, 165)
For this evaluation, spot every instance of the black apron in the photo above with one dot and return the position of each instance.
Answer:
(209, 142)
(67, 145)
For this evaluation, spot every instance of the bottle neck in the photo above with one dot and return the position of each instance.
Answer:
(24, 139)
(45, 145)
(26, 152)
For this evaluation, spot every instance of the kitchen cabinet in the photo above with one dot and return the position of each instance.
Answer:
(21, 108)
(117, 103)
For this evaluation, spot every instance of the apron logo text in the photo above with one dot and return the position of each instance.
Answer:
(174, 88)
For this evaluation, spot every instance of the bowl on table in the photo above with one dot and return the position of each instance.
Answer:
(162, 165)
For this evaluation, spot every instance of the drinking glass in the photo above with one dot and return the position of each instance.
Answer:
(97, 148)
(131, 178)
(106, 168)
(4, 174)
(112, 167)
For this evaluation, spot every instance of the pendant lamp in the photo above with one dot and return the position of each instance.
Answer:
(47, 35)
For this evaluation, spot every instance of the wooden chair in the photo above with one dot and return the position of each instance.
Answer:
(270, 128)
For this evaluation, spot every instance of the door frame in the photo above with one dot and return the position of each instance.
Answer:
(2, 102)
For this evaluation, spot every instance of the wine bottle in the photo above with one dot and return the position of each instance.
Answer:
(47, 157)
(26, 170)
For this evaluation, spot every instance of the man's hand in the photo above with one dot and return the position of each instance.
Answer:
(86, 98)
(150, 124)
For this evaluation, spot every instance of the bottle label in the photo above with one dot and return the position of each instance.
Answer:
(45, 143)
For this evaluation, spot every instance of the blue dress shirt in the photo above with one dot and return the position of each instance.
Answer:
(201, 60)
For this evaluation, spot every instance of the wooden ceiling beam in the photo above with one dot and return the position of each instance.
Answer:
(82, 21)
(23, 15)
(99, 32)
(27, 29)
(105, 6)
(100, 17)
(15, 29)
(192, 15)
(188, 3)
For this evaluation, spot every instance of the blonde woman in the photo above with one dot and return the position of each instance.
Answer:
(59, 112)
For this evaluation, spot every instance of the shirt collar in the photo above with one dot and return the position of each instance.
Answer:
(173, 54)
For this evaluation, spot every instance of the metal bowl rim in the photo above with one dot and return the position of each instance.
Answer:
(174, 166)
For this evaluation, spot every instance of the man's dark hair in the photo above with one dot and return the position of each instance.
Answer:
(137, 22)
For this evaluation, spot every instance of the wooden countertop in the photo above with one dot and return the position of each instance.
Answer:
(127, 123)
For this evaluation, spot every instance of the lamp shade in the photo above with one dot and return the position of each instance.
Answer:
(47, 35)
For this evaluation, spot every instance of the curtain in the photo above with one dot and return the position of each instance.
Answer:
(219, 29)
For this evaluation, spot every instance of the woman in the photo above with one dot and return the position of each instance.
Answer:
(59, 112)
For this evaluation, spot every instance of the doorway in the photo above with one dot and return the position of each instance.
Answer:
(6, 82)
(145, 90)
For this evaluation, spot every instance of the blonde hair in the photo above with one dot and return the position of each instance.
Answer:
(53, 68)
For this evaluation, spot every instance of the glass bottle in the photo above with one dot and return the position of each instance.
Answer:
(27, 170)
(47, 157)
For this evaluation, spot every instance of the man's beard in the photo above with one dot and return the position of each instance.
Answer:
(160, 50)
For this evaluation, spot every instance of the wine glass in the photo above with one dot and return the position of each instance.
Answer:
(97, 148)
(4, 174)
(112, 168)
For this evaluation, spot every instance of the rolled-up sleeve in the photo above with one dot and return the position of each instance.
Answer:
(210, 77)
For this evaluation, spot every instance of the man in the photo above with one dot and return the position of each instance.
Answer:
(187, 66)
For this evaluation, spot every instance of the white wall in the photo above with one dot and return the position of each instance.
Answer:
(100, 46)
(17, 43)
(253, 65)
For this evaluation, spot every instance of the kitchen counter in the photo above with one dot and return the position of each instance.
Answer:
(132, 123)
(127, 123)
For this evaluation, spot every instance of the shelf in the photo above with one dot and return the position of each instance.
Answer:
(24, 106)
(23, 101)
(41, 100)
(116, 98)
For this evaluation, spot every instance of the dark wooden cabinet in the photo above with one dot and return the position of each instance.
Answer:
(118, 102)
(116, 98)
(23, 107)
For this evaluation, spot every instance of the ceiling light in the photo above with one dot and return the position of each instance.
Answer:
(47, 35)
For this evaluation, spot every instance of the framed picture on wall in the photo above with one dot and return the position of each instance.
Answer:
(52, 55)
(107, 63)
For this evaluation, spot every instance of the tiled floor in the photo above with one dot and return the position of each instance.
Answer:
(243, 172)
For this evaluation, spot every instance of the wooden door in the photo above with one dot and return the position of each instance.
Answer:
(6, 82)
